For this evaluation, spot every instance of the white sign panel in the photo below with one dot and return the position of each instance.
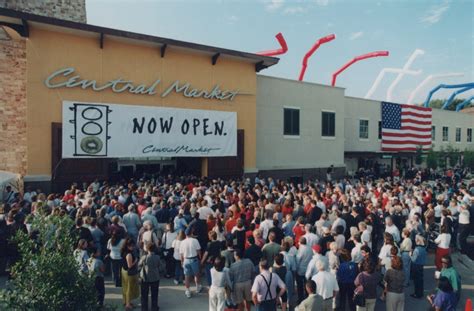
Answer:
(116, 131)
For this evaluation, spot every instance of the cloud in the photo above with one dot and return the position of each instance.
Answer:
(322, 2)
(356, 35)
(294, 10)
(434, 14)
(273, 5)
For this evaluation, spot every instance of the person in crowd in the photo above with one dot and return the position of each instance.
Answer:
(443, 240)
(132, 222)
(405, 250)
(213, 250)
(168, 237)
(82, 256)
(452, 275)
(253, 252)
(241, 273)
(129, 276)
(303, 257)
(271, 249)
(366, 282)
(313, 301)
(149, 267)
(280, 269)
(464, 227)
(385, 252)
(394, 282)
(444, 299)
(178, 268)
(346, 275)
(114, 245)
(264, 288)
(220, 280)
(190, 252)
(96, 269)
(418, 261)
(326, 286)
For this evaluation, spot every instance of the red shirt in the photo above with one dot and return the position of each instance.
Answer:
(229, 224)
(298, 230)
(140, 209)
(286, 209)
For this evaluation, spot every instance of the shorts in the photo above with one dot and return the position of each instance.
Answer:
(242, 291)
(191, 267)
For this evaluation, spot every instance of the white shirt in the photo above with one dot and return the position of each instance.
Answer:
(414, 210)
(366, 238)
(168, 239)
(393, 230)
(385, 253)
(176, 243)
(356, 253)
(338, 222)
(437, 209)
(464, 217)
(189, 247)
(204, 212)
(443, 240)
(326, 284)
(311, 239)
(265, 226)
(115, 250)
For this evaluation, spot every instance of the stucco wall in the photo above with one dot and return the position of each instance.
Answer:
(310, 150)
(357, 108)
(138, 62)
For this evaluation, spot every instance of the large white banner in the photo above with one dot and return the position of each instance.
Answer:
(116, 131)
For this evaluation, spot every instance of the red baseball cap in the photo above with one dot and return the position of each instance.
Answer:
(316, 248)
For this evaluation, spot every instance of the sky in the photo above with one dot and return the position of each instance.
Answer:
(443, 29)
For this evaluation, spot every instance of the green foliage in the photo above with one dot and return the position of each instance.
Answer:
(47, 276)
(419, 155)
(438, 103)
(468, 160)
(432, 159)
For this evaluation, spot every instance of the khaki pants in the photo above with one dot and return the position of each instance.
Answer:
(395, 301)
(369, 305)
(216, 298)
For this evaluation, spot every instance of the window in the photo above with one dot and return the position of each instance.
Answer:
(458, 134)
(291, 121)
(380, 129)
(433, 133)
(445, 133)
(328, 124)
(469, 135)
(364, 129)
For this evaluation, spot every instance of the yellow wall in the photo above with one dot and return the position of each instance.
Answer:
(49, 51)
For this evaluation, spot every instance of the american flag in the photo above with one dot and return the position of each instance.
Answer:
(405, 127)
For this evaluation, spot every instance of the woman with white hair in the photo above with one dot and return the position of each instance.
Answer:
(147, 236)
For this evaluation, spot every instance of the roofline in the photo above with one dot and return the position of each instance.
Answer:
(261, 62)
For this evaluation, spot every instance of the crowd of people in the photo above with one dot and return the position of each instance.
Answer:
(319, 245)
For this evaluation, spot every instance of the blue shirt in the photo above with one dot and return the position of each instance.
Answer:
(419, 256)
(445, 301)
(347, 272)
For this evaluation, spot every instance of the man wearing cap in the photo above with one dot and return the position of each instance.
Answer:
(264, 288)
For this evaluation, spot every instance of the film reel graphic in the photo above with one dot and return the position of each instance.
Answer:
(91, 130)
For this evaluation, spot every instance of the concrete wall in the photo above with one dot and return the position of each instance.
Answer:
(310, 150)
(357, 108)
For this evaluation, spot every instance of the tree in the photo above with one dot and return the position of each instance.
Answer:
(468, 160)
(47, 275)
(432, 159)
(419, 155)
(438, 103)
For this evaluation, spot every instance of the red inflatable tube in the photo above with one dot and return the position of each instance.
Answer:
(282, 50)
(311, 51)
(356, 59)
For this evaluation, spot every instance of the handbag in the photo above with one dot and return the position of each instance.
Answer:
(359, 297)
